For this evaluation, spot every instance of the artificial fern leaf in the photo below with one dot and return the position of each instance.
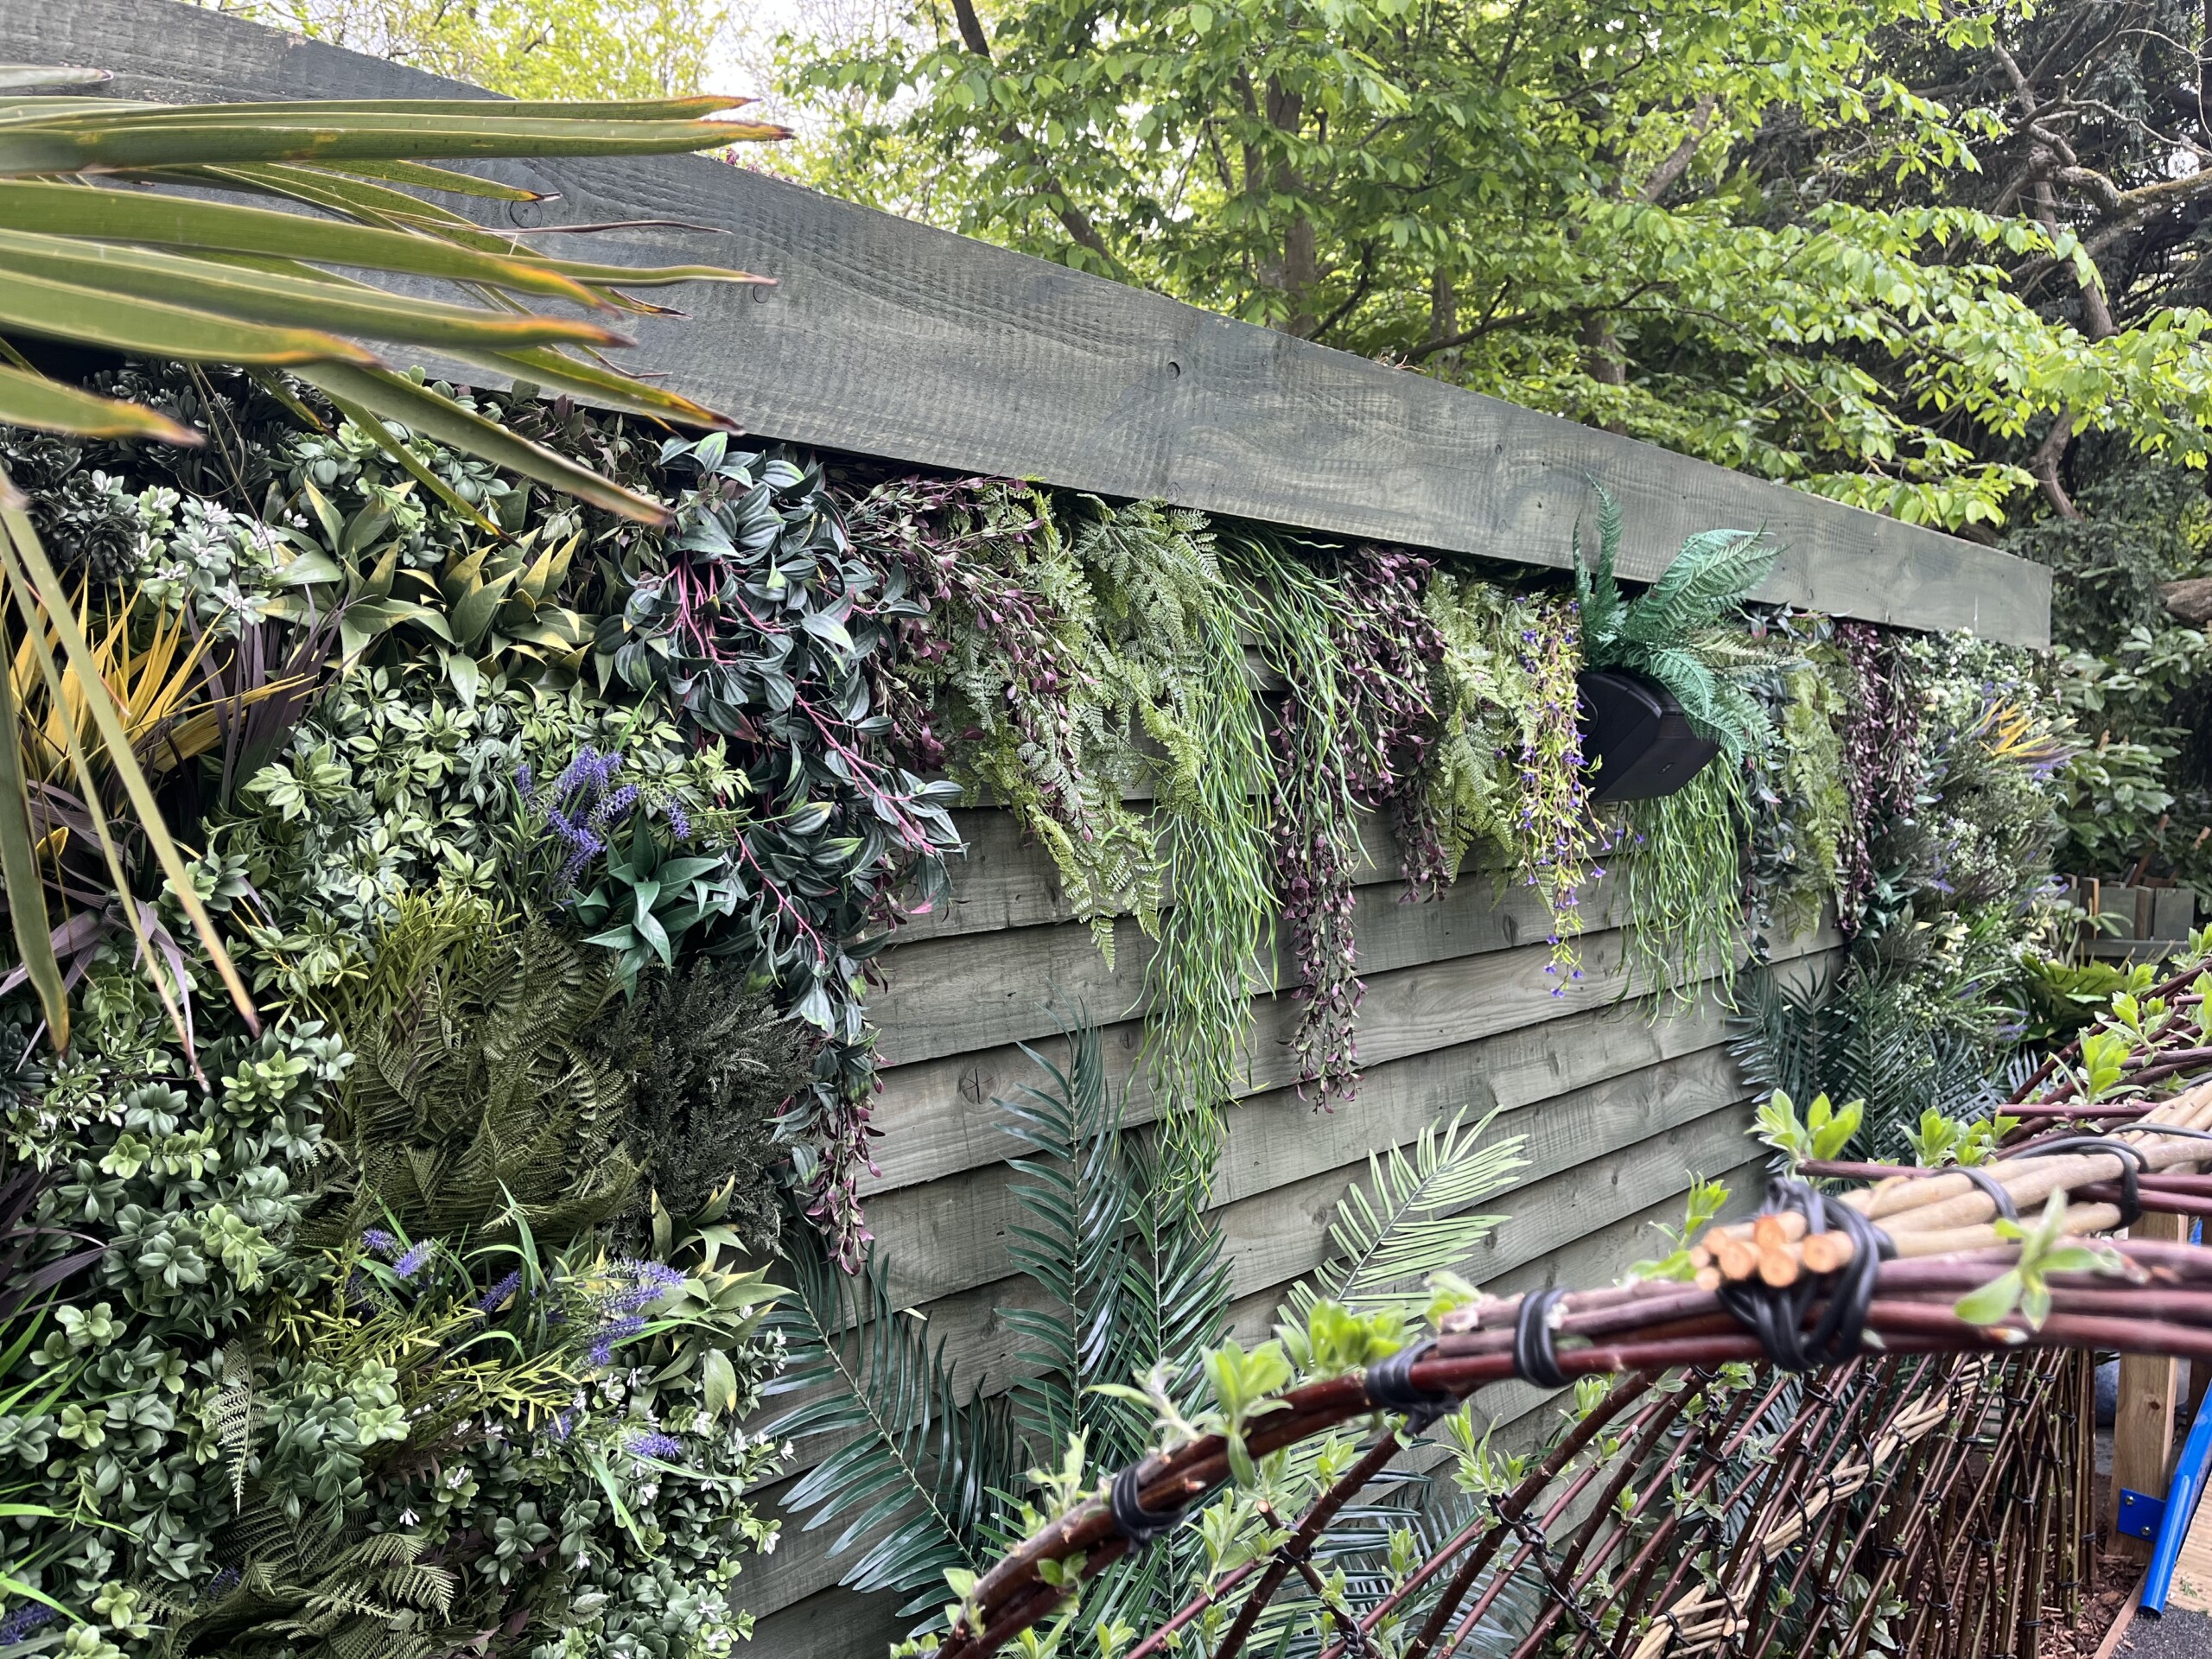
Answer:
(916, 1478)
(1598, 593)
(235, 1410)
(474, 1098)
(1412, 1218)
(1716, 570)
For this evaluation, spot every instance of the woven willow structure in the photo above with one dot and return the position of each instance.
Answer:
(1808, 1451)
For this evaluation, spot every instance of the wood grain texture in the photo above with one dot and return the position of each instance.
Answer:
(890, 339)
(941, 1115)
(1004, 881)
(946, 1235)
(952, 995)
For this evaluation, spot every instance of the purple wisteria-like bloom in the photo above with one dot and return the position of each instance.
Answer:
(491, 1300)
(20, 1621)
(650, 1282)
(411, 1263)
(614, 1331)
(379, 1240)
(653, 1445)
(583, 806)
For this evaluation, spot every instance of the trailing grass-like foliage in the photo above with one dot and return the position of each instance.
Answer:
(1507, 767)
(1684, 882)
(1216, 940)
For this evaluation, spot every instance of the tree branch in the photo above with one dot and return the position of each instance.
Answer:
(1073, 219)
(2044, 465)
(972, 29)
(1678, 161)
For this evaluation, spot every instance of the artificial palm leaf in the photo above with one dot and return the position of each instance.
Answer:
(1413, 1218)
(1075, 1191)
(916, 1482)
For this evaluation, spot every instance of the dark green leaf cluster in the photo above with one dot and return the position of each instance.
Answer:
(1683, 630)
(761, 627)
(710, 1067)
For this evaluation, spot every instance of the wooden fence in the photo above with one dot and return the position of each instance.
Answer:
(1619, 1108)
(890, 339)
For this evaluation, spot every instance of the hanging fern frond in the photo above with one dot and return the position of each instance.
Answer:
(1597, 592)
(917, 1477)
(473, 1104)
(316, 1588)
(1714, 572)
(1671, 633)
(1412, 1219)
(236, 1409)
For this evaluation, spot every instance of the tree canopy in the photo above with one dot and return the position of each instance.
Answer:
(1821, 243)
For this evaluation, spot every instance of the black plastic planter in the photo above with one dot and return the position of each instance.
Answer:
(1637, 729)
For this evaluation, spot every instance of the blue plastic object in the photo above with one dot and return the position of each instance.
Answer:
(2140, 1514)
(2180, 1509)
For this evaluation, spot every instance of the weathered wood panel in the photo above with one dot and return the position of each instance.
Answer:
(951, 997)
(1620, 1111)
(887, 337)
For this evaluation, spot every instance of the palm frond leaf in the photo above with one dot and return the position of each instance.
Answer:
(1413, 1216)
(913, 1483)
(1075, 1191)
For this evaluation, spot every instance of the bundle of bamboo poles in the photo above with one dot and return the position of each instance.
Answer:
(1942, 1242)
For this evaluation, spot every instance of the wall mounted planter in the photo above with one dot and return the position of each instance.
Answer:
(1636, 728)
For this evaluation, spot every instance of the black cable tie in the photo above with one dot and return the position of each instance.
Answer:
(2131, 1165)
(1390, 1387)
(1135, 1521)
(1992, 1187)
(1536, 1359)
(1777, 1316)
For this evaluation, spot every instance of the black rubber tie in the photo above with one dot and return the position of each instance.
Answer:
(1135, 1521)
(1777, 1316)
(2131, 1165)
(1390, 1386)
(1991, 1186)
(1535, 1359)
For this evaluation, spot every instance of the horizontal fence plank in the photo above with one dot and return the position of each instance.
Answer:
(1005, 880)
(887, 337)
(941, 1116)
(952, 995)
(951, 1234)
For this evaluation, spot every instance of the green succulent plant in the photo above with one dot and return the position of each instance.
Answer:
(1679, 631)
